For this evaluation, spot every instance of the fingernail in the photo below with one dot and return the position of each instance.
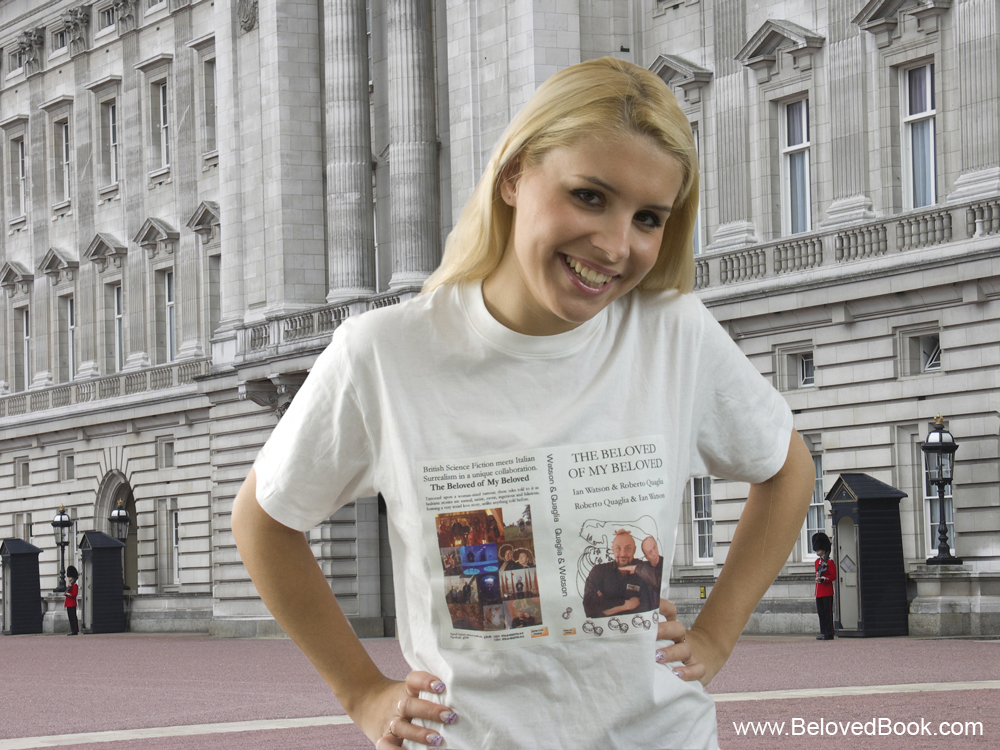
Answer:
(661, 657)
(437, 686)
(679, 673)
(449, 717)
(435, 740)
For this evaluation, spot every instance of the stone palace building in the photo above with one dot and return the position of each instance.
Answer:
(194, 194)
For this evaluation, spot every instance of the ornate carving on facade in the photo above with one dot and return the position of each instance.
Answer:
(29, 44)
(103, 248)
(76, 21)
(275, 393)
(156, 235)
(677, 72)
(884, 18)
(59, 265)
(247, 12)
(125, 12)
(15, 278)
(760, 54)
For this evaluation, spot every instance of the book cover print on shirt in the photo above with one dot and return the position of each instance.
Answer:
(549, 543)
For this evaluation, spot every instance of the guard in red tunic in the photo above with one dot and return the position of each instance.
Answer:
(72, 591)
(826, 574)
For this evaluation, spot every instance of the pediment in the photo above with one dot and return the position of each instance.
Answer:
(14, 277)
(105, 247)
(58, 263)
(677, 71)
(205, 220)
(761, 52)
(156, 234)
(882, 17)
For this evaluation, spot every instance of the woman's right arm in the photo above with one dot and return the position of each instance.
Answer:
(292, 586)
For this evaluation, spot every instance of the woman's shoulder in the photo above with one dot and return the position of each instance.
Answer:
(394, 324)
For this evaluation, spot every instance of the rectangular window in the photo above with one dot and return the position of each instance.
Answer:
(160, 117)
(697, 218)
(795, 158)
(119, 327)
(19, 178)
(105, 18)
(816, 517)
(211, 144)
(67, 339)
(807, 369)
(23, 528)
(67, 466)
(59, 40)
(921, 352)
(214, 293)
(109, 142)
(165, 453)
(22, 345)
(16, 59)
(168, 295)
(63, 173)
(22, 472)
(701, 495)
(175, 529)
(932, 505)
(26, 346)
(920, 136)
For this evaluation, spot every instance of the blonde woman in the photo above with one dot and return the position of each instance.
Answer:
(561, 315)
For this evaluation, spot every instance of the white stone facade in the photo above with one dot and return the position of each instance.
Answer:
(215, 186)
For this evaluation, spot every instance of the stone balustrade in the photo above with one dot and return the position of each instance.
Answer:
(837, 246)
(98, 389)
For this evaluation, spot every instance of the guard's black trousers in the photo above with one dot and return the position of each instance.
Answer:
(824, 607)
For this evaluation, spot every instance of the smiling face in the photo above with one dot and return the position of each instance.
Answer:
(588, 223)
(623, 548)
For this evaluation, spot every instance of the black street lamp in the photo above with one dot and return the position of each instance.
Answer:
(60, 524)
(939, 458)
(119, 525)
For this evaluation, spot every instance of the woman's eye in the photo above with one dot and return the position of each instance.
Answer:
(649, 219)
(589, 197)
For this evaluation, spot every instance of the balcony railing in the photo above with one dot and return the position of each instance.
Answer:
(99, 389)
(833, 247)
(285, 334)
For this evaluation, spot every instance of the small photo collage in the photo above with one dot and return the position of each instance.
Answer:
(490, 580)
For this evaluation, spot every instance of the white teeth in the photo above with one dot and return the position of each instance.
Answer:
(594, 278)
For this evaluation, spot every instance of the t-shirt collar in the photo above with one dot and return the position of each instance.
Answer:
(556, 345)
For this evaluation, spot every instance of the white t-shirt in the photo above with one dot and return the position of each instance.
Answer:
(482, 439)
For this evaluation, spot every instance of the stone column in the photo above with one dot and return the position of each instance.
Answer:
(413, 145)
(43, 325)
(978, 49)
(736, 228)
(350, 219)
(134, 188)
(849, 129)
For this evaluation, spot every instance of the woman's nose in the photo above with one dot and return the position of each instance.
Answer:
(614, 238)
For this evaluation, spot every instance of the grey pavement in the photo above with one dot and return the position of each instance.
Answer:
(166, 692)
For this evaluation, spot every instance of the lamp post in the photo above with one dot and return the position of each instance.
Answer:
(939, 459)
(60, 523)
(119, 525)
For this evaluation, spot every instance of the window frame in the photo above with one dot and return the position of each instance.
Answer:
(18, 178)
(175, 539)
(25, 352)
(907, 122)
(699, 521)
(920, 351)
(931, 518)
(67, 466)
(62, 160)
(118, 310)
(105, 13)
(817, 507)
(166, 457)
(788, 153)
(22, 472)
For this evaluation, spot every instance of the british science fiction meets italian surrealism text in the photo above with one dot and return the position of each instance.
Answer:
(548, 543)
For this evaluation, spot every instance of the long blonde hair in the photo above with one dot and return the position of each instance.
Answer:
(606, 97)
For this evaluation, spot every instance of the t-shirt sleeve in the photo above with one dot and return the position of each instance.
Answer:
(742, 425)
(319, 457)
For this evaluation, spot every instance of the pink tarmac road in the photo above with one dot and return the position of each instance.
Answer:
(53, 686)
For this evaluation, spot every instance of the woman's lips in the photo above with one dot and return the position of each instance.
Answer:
(589, 277)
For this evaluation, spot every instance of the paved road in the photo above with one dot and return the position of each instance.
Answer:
(167, 692)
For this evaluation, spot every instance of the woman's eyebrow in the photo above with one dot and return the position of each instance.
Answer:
(614, 191)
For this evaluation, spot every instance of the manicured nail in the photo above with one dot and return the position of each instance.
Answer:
(449, 717)
(435, 740)
(661, 657)
(437, 686)
(679, 673)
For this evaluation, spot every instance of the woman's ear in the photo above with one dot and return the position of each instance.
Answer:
(508, 182)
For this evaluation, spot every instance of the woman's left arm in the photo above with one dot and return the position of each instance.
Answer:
(767, 530)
